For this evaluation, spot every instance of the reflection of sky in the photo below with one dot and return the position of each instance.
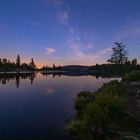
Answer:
(68, 31)
(42, 109)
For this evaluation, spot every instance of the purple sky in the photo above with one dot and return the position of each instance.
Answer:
(68, 31)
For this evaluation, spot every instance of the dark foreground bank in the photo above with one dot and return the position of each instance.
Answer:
(110, 112)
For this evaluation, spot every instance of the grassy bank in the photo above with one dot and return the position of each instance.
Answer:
(132, 76)
(102, 114)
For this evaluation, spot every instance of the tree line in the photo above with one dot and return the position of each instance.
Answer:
(118, 62)
(8, 65)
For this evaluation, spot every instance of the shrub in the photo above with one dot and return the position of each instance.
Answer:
(83, 98)
(132, 76)
(102, 109)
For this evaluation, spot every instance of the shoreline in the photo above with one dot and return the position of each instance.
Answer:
(15, 72)
(95, 108)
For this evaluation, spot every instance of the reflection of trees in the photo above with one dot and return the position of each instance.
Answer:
(32, 77)
(17, 80)
(53, 74)
(95, 75)
(3, 81)
(5, 78)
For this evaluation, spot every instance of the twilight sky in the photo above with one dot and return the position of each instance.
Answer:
(68, 31)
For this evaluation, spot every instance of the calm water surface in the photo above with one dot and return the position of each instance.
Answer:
(39, 107)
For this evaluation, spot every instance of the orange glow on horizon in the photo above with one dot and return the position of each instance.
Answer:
(63, 62)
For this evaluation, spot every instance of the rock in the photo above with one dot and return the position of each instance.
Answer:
(138, 94)
(100, 131)
(93, 128)
(136, 83)
(119, 133)
(131, 138)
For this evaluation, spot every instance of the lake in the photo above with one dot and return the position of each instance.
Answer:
(40, 106)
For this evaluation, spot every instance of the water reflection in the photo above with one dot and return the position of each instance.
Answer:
(41, 105)
(5, 78)
(97, 76)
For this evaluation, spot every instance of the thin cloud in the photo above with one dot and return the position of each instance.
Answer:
(106, 51)
(85, 56)
(63, 16)
(89, 46)
(50, 50)
(71, 30)
(61, 10)
(80, 56)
